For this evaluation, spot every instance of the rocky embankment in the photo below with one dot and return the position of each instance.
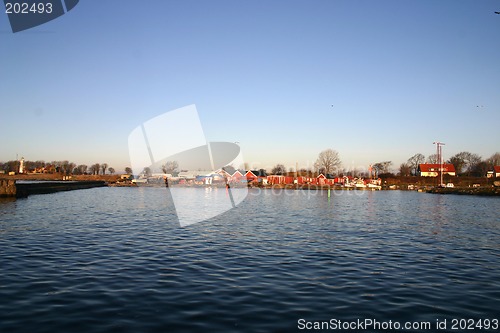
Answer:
(484, 191)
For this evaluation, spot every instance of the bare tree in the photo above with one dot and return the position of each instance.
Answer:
(66, 167)
(81, 169)
(71, 167)
(128, 170)
(481, 169)
(10, 166)
(104, 166)
(94, 169)
(170, 167)
(458, 162)
(111, 170)
(494, 160)
(328, 161)
(472, 160)
(382, 167)
(414, 162)
(432, 159)
(279, 169)
(465, 161)
(404, 169)
(63, 167)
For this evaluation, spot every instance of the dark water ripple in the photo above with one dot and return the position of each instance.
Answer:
(115, 260)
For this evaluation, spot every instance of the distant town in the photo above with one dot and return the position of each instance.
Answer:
(464, 168)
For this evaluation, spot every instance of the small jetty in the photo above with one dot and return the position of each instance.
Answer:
(11, 188)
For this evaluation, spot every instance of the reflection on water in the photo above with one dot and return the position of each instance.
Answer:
(4, 202)
(115, 259)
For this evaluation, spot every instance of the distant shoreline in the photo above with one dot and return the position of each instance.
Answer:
(463, 185)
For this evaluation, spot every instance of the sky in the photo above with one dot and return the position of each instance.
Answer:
(374, 80)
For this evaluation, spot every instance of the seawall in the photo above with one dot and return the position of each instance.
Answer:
(485, 191)
(9, 188)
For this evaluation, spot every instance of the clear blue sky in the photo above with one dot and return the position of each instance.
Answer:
(399, 74)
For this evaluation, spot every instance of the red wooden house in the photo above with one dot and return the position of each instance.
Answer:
(321, 179)
(275, 179)
(250, 176)
(280, 180)
(256, 176)
(433, 170)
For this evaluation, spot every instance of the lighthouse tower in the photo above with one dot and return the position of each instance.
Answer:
(21, 165)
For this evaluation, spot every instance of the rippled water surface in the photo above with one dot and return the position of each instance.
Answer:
(116, 260)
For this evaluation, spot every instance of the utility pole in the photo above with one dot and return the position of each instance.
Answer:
(296, 173)
(440, 159)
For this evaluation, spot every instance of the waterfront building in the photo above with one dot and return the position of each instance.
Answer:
(432, 170)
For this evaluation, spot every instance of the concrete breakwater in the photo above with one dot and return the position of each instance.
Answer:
(9, 188)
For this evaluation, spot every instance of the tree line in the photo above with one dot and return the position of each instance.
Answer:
(62, 167)
(465, 163)
(328, 162)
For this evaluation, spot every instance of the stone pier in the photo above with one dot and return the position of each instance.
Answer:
(8, 188)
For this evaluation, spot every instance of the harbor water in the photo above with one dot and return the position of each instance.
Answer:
(116, 260)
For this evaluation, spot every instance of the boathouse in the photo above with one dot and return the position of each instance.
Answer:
(238, 176)
(256, 176)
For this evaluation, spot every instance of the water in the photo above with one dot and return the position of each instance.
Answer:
(116, 260)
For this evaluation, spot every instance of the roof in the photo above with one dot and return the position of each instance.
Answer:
(224, 171)
(259, 173)
(236, 172)
(497, 168)
(435, 167)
